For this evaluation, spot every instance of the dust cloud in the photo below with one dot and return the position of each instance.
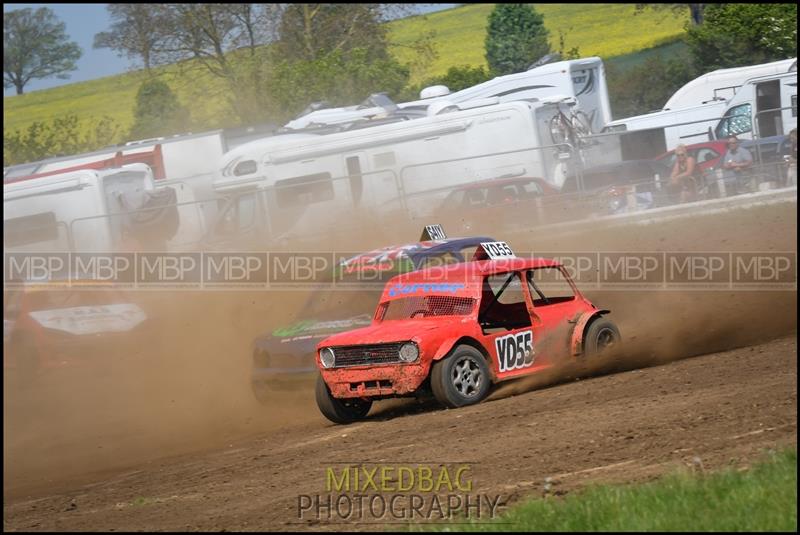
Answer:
(185, 388)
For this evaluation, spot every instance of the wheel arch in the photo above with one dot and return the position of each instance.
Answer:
(454, 342)
(582, 324)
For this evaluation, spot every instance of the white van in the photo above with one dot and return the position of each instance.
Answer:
(85, 210)
(763, 107)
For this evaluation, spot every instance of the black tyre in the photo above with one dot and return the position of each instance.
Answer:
(262, 392)
(26, 360)
(559, 130)
(582, 124)
(462, 378)
(340, 411)
(601, 335)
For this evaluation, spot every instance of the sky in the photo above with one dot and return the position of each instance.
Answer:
(83, 21)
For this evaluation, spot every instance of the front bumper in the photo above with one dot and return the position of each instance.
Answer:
(376, 381)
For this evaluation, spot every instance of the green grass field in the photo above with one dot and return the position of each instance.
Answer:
(763, 498)
(607, 30)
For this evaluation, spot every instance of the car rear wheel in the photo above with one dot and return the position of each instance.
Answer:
(340, 411)
(462, 378)
(601, 335)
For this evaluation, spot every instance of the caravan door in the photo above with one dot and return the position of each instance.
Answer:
(355, 165)
(767, 113)
(789, 103)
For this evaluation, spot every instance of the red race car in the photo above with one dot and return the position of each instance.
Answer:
(456, 330)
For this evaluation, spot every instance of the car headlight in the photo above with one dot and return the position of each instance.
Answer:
(409, 352)
(327, 358)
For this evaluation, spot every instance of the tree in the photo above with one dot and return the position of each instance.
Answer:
(309, 31)
(733, 35)
(223, 39)
(63, 136)
(35, 46)
(456, 79)
(648, 86)
(137, 31)
(336, 77)
(158, 112)
(515, 38)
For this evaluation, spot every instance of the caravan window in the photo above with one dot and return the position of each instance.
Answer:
(125, 191)
(247, 167)
(737, 121)
(30, 229)
(238, 214)
(303, 190)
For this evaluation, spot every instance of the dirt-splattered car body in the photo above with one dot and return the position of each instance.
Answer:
(498, 307)
(289, 351)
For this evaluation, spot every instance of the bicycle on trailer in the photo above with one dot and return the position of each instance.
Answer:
(570, 128)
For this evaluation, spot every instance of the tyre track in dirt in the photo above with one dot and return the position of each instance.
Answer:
(709, 412)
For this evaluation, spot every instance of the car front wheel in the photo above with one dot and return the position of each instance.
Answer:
(462, 378)
(340, 411)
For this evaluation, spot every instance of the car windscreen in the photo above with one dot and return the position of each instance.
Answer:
(419, 306)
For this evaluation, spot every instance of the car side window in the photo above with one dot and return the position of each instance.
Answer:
(705, 155)
(503, 303)
(549, 286)
(474, 197)
(502, 195)
(529, 190)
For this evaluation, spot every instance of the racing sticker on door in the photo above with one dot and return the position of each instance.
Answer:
(515, 351)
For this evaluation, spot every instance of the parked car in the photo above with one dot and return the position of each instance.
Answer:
(607, 187)
(504, 202)
(707, 154)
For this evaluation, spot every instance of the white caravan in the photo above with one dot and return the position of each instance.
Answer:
(86, 210)
(191, 158)
(692, 125)
(407, 165)
(722, 84)
(583, 79)
(763, 107)
(693, 113)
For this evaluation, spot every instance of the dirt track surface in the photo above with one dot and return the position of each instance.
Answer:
(722, 409)
(166, 434)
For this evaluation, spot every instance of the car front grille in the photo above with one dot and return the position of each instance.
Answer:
(367, 354)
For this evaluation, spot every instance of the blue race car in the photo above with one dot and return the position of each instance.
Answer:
(288, 353)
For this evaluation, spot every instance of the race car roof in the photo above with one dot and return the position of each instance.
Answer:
(418, 251)
(460, 280)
